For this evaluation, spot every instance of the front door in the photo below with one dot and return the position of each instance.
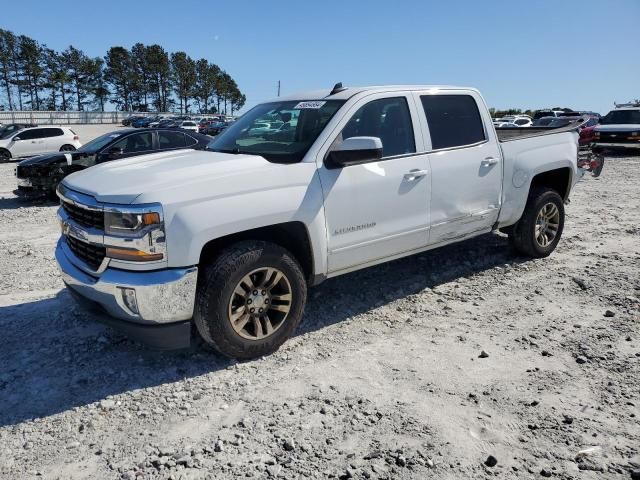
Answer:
(26, 143)
(466, 165)
(378, 209)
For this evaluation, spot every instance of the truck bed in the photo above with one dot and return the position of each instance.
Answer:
(508, 134)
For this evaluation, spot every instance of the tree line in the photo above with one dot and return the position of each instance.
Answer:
(143, 78)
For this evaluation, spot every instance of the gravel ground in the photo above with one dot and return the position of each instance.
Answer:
(385, 379)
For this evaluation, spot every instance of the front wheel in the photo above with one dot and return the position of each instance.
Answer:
(538, 231)
(250, 299)
(67, 148)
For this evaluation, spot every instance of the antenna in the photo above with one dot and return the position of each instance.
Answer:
(337, 88)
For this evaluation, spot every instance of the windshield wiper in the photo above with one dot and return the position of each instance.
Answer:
(233, 151)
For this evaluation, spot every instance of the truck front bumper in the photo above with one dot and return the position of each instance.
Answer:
(155, 307)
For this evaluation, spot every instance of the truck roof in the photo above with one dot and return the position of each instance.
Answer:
(349, 92)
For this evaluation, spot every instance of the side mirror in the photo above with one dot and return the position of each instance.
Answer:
(115, 152)
(355, 151)
(16, 139)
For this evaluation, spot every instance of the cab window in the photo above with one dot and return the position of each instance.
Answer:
(454, 120)
(388, 119)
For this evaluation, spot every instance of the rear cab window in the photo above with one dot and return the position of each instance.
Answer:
(454, 120)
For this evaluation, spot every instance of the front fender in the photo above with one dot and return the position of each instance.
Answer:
(190, 226)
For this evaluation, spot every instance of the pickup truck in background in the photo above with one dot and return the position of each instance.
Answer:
(618, 130)
(229, 239)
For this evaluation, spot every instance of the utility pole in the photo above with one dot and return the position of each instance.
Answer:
(278, 87)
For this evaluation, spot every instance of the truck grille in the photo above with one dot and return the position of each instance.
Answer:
(84, 216)
(92, 255)
(615, 137)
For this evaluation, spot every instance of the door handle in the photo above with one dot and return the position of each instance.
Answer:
(489, 161)
(415, 174)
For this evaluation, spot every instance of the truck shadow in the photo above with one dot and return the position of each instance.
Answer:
(54, 358)
(11, 203)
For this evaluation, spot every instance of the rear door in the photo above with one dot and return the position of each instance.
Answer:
(466, 163)
(378, 209)
(52, 139)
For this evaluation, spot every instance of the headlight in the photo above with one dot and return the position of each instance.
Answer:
(130, 223)
(135, 234)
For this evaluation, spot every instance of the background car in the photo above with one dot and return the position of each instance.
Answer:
(35, 141)
(543, 121)
(546, 113)
(128, 120)
(216, 127)
(167, 123)
(43, 173)
(188, 125)
(156, 122)
(145, 121)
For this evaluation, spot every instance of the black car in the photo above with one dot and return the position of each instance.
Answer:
(41, 174)
(7, 130)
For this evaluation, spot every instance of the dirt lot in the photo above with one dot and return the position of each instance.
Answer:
(383, 380)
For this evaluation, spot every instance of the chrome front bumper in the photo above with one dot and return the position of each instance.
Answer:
(616, 145)
(162, 296)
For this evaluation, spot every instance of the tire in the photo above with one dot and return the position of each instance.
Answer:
(5, 155)
(534, 234)
(67, 148)
(220, 297)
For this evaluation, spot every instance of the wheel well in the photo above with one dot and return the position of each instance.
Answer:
(2, 149)
(557, 179)
(291, 235)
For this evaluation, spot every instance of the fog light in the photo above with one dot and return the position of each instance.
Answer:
(129, 299)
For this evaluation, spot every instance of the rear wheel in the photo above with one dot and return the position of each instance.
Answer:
(250, 299)
(538, 231)
(5, 155)
(67, 148)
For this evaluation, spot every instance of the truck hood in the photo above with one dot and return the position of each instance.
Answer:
(159, 177)
(622, 127)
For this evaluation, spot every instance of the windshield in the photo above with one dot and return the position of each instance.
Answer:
(97, 143)
(625, 117)
(6, 132)
(281, 132)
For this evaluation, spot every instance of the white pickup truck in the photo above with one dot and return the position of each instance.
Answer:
(298, 190)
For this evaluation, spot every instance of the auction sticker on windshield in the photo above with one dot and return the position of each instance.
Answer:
(313, 105)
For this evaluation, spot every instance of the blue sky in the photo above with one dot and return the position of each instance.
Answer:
(583, 54)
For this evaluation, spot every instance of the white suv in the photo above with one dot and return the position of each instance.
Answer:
(38, 140)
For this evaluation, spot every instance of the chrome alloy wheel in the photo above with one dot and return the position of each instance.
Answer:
(547, 224)
(260, 303)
